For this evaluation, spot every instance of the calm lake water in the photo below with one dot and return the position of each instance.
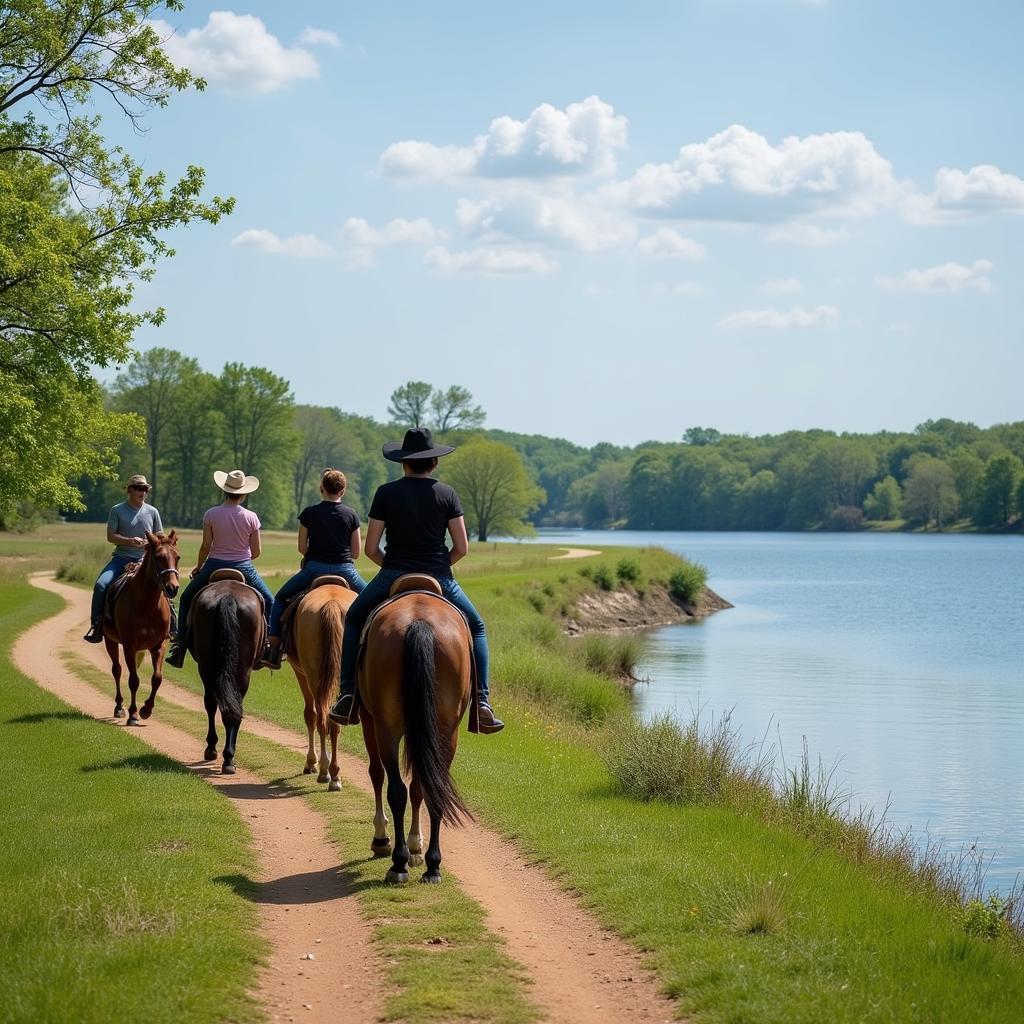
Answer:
(900, 657)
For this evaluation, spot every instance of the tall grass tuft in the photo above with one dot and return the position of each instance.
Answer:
(613, 655)
(688, 581)
(82, 565)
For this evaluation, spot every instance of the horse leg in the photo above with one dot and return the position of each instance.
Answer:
(321, 729)
(398, 795)
(415, 836)
(210, 703)
(433, 872)
(231, 726)
(309, 714)
(115, 671)
(157, 656)
(133, 684)
(335, 767)
(381, 845)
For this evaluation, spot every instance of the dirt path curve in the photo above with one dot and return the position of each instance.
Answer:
(582, 973)
(301, 897)
(574, 553)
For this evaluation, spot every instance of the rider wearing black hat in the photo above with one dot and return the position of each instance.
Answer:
(416, 512)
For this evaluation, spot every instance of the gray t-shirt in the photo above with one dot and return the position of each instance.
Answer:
(133, 522)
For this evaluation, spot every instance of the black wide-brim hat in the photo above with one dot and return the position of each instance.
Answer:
(418, 444)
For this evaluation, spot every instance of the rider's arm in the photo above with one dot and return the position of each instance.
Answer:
(303, 540)
(204, 548)
(374, 532)
(354, 544)
(460, 541)
(125, 542)
(255, 544)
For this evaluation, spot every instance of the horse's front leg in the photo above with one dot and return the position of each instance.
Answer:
(131, 659)
(334, 766)
(322, 763)
(156, 654)
(381, 845)
(309, 714)
(433, 872)
(415, 836)
(115, 671)
(398, 796)
(210, 703)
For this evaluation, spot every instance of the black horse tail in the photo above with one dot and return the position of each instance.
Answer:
(332, 628)
(427, 753)
(225, 678)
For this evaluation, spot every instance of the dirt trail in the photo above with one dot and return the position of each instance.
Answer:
(581, 972)
(574, 553)
(300, 894)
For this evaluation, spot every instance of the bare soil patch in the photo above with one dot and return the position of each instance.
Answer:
(611, 610)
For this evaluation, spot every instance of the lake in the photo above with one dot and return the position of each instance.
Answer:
(899, 657)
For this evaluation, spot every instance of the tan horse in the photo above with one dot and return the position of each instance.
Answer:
(139, 620)
(414, 681)
(314, 652)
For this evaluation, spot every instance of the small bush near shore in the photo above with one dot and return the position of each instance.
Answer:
(82, 565)
(628, 571)
(610, 654)
(603, 577)
(687, 582)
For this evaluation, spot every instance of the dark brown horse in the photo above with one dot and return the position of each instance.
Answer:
(414, 681)
(315, 655)
(226, 638)
(138, 618)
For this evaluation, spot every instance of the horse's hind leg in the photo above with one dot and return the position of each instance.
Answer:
(415, 836)
(133, 685)
(381, 845)
(115, 671)
(398, 796)
(157, 656)
(309, 714)
(433, 872)
(210, 703)
(334, 767)
(231, 727)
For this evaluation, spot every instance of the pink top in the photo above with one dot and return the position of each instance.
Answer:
(232, 526)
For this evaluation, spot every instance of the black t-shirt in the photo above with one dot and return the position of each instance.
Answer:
(415, 512)
(330, 526)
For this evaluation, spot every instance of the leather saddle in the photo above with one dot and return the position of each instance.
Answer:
(116, 589)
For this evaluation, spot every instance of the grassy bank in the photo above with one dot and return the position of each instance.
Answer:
(114, 907)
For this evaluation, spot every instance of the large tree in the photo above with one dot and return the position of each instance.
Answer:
(929, 492)
(496, 491)
(409, 405)
(80, 223)
(998, 498)
(453, 409)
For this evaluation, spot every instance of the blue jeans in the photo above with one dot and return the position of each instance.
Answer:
(377, 591)
(201, 578)
(110, 572)
(302, 579)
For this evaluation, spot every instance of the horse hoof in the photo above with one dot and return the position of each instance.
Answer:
(228, 769)
(308, 770)
(381, 847)
(133, 720)
(335, 786)
(394, 877)
(323, 778)
(210, 754)
(431, 877)
(145, 711)
(415, 860)
(119, 712)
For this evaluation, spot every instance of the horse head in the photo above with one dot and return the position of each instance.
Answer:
(164, 558)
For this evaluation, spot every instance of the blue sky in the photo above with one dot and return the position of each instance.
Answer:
(609, 222)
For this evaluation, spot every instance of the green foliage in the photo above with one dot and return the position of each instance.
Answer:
(612, 655)
(603, 577)
(628, 570)
(82, 564)
(419, 404)
(884, 500)
(998, 489)
(687, 583)
(986, 919)
(929, 492)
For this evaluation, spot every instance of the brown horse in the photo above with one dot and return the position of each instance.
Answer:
(226, 636)
(138, 618)
(314, 652)
(414, 681)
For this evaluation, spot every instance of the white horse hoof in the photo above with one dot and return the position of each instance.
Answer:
(415, 860)
(335, 786)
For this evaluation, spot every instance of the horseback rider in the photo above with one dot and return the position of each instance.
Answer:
(328, 542)
(231, 540)
(416, 512)
(127, 525)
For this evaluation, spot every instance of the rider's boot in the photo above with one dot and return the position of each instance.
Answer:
(489, 722)
(176, 654)
(95, 634)
(272, 655)
(344, 711)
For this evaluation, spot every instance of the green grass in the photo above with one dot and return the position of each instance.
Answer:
(115, 904)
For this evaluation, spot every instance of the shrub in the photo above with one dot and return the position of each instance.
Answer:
(537, 601)
(846, 518)
(687, 583)
(628, 571)
(83, 564)
(548, 589)
(586, 571)
(986, 919)
(615, 656)
(603, 577)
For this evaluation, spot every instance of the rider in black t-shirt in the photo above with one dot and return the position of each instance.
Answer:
(416, 512)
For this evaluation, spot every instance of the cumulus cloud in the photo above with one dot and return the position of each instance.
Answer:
(396, 232)
(946, 278)
(497, 262)
(668, 243)
(782, 286)
(738, 175)
(556, 220)
(581, 139)
(689, 288)
(319, 37)
(960, 195)
(777, 319)
(307, 247)
(810, 235)
(238, 53)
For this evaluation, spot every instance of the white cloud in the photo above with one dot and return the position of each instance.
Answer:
(738, 175)
(667, 242)
(307, 247)
(581, 139)
(807, 234)
(237, 52)
(947, 278)
(689, 288)
(898, 328)
(782, 286)
(557, 220)
(777, 319)
(396, 232)
(319, 37)
(495, 261)
(960, 195)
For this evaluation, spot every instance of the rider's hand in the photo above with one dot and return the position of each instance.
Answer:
(138, 542)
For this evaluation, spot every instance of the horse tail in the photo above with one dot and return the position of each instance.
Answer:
(427, 752)
(226, 674)
(332, 628)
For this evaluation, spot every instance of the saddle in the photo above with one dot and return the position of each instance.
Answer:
(421, 583)
(116, 588)
(292, 606)
(235, 576)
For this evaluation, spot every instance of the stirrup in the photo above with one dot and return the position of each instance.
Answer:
(344, 711)
(95, 634)
(489, 721)
(273, 657)
(176, 655)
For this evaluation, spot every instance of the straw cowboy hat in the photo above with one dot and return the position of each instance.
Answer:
(235, 482)
(418, 444)
(138, 480)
